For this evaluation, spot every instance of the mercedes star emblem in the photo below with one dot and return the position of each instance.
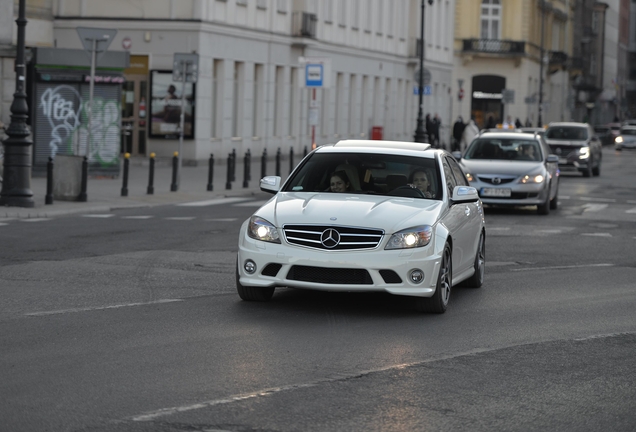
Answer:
(330, 238)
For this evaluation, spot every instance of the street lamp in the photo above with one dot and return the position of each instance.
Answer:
(539, 119)
(16, 185)
(420, 134)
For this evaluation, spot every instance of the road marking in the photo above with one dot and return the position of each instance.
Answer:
(153, 415)
(563, 267)
(251, 204)
(631, 202)
(215, 201)
(631, 210)
(221, 220)
(596, 234)
(564, 197)
(550, 231)
(181, 218)
(610, 200)
(498, 228)
(35, 220)
(103, 216)
(86, 309)
(3, 224)
(137, 217)
(594, 207)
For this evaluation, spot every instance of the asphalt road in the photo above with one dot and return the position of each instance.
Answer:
(129, 321)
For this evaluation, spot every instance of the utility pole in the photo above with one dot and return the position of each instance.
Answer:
(420, 134)
(539, 117)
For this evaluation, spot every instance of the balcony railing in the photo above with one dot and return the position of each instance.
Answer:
(304, 24)
(494, 46)
(557, 58)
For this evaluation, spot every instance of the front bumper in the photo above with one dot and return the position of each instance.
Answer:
(521, 195)
(292, 266)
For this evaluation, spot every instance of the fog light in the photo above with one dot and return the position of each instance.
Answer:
(416, 276)
(250, 266)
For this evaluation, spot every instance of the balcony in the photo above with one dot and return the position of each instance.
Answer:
(304, 24)
(557, 60)
(494, 46)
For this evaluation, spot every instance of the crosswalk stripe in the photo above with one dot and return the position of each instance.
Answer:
(35, 220)
(633, 210)
(137, 217)
(181, 218)
(101, 216)
(215, 201)
(594, 207)
(221, 220)
(596, 234)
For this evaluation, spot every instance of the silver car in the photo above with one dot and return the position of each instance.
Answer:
(512, 169)
(626, 138)
(577, 146)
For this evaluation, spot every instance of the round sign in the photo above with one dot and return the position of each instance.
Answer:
(126, 43)
(460, 94)
(426, 78)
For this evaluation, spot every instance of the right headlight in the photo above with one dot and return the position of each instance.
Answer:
(619, 139)
(260, 229)
(410, 238)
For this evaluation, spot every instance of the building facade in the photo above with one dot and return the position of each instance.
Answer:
(250, 92)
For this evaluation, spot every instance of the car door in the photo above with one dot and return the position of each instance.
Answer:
(463, 220)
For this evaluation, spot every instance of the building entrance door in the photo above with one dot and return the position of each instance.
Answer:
(134, 110)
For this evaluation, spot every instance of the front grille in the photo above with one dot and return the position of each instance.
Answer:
(350, 238)
(326, 275)
(515, 196)
(390, 277)
(271, 269)
(501, 180)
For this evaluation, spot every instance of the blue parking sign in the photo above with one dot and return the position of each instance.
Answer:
(314, 74)
(427, 90)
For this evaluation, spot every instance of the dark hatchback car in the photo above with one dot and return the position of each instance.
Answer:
(604, 133)
(577, 146)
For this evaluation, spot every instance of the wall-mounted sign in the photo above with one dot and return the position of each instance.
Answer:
(165, 106)
(126, 43)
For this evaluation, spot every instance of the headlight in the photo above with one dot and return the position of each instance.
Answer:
(532, 179)
(584, 152)
(470, 177)
(619, 139)
(410, 238)
(260, 229)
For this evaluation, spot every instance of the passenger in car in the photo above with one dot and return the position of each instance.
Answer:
(420, 180)
(339, 182)
(528, 152)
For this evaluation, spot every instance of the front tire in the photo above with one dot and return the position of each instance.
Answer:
(544, 208)
(258, 294)
(439, 302)
(587, 172)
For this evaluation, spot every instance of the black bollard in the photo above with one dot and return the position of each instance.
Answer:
(233, 164)
(151, 175)
(291, 159)
(228, 183)
(246, 161)
(304, 151)
(278, 162)
(48, 199)
(82, 196)
(211, 172)
(249, 164)
(124, 186)
(175, 167)
(264, 163)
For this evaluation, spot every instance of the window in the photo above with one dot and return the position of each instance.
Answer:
(241, 2)
(216, 100)
(278, 100)
(281, 6)
(380, 24)
(355, 14)
(257, 100)
(237, 105)
(460, 177)
(293, 104)
(328, 4)
(342, 12)
(490, 19)
(261, 4)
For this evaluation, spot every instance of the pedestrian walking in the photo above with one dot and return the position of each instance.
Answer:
(458, 131)
(470, 132)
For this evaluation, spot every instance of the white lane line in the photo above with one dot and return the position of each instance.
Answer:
(609, 200)
(103, 216)
(35, 220)
(251, 204)
(3, 224)
(181, 218)
(631, 210)
(564, 197)
(137, 217)
(498, 228)
(596, 234)
(631, 202)
(221, 220)
(594, 207)
(86, 309)
(153, 415)
(215, 201)
(562, 267)
(550, 231)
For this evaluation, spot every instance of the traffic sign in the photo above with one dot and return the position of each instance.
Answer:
(426, 78)
(98, 39)
(426, 90)
(316, 73)
(507, 96)
(185, 65)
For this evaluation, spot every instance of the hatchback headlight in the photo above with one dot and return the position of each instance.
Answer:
(260, 229)
(470, 177)
(539, 178)
(584, 152)
(410, 238)
(619, 139)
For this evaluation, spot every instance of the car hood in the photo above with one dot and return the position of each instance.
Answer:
(367, 211)
(628, 138)
(566, 143)
(516, 168)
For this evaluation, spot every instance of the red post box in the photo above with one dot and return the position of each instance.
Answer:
(376, 132)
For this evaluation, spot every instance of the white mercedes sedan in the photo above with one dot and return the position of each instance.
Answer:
(361, 216)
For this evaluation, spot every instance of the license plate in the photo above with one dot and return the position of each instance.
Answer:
(496, 192)
(563, 161)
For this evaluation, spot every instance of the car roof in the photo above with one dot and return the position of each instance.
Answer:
(380, 146)
(507, 134)
(632, 126)
(573, 124)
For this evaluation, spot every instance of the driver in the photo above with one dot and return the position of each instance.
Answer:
(420, 180)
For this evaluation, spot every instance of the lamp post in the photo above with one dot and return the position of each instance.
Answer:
(16, 185)
(539, 119)
(420, 133)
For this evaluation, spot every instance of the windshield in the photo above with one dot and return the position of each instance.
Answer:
(628, 131)
(367, 173)
(566, 133)
(504, 149)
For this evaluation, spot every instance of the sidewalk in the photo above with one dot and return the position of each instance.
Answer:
(104, 194)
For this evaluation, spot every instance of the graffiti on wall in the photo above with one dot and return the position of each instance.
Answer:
(67, 115)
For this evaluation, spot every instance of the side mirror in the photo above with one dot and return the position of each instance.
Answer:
(464, 194)
(552, 159)
(270, 184)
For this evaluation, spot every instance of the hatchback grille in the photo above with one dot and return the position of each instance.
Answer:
(326, 275)
(341, 238)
